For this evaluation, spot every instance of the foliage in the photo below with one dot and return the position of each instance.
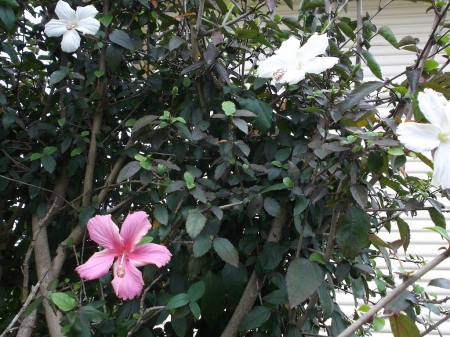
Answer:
(269, 197)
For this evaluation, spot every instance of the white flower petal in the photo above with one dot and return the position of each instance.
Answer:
(433, 109)
(64, 12)
(316, 45)
(88, 26)
(267, 67)
(293, 75)
(320, 64)
(289, 47)
(441, 173)
(71, 41)
(55, 27)
(418, 137)
(86, 12)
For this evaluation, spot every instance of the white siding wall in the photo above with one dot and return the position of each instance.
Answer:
(404, 18)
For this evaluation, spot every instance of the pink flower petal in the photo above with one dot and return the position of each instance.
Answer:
(97, 266)
(134, 227)
(105, 232)
(149, 253)
(130, 285)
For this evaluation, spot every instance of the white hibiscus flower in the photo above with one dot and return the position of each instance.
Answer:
(291, 62)
(426, 137)
(83, 20)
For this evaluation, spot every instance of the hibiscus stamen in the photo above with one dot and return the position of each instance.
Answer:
(69, 26)
(121, 268)
(278, 75)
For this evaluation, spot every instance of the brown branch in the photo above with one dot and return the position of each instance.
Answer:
(392, 296)
(254, 284)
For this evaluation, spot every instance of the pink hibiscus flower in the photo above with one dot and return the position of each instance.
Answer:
(128, 280)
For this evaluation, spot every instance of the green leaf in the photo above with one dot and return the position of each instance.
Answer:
(58, 76)
(358, 94)
(175, 186)
(263, 110)
(372, 63)
(9, 49)
(128, 171)
(113, 56)
(202, 245)
(255, 318)
(49, 163)
(378, 323)
(64, 301)
(195, 309)
(316, 257)
(144, 240)
(430, 65)
(178, 301)
(441, 231)
(272, 207)
(144, 121)
(326, 301)
(195, 223)
(76, 151)
(254, 205)
(440, 282)
(396, 151)
(122, 39)
(189, 180)
(403, 326)
(90, 314)
(226, 251)
(289, 4)
(7, 16)
(300, 205)
(352, 232)
(36, 156)
(346, 29)
(387, 33)
(175, 42)
(196, 290)
(160, 213)
(240, 124)
(34, 305)
(303, 278)
(437, 218)
(245, 33)
(360, 194)
(271, 256)
(276, 297)
(85, 215)
(106, 20)
(229, 108)
(213, 301)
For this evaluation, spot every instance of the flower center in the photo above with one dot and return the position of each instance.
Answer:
(121, 268)
(444, 137)
(278, 75)
(69, 26)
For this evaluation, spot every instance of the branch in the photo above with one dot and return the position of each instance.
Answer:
(389, 298)
(34, 290)
(254, 284)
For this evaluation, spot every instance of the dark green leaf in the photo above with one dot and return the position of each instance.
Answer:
(34, 305)
(85, 215)
(195, 223)
(175, 42)
(48, 163)
(358, 94)
(212, 302)
(289, 4)
(352, 232)
(263, 110)
(441, 231)
(196, 290)
(58, 76)
(179, 325)
(160, 213)
(437, 218)
(7, 16)
(122, 39)
(90, 314)
(113, 56)
(276, 297)
(128, 171)
(240, 124)
(226, 251)
(8, 49)
(272, 207)
(387, 33)
(303, 277)
(255, 318)
(144, 121)
(326, 302)
(255, 204)
(271, 256)
(178, 301)
(346, 29)
(175, 186)
(372, 63)
(195, 309)
(440, 282)
(202, 245)
(360, 194)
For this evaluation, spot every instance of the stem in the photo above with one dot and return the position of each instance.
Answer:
(254, 284)
(389, 298)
